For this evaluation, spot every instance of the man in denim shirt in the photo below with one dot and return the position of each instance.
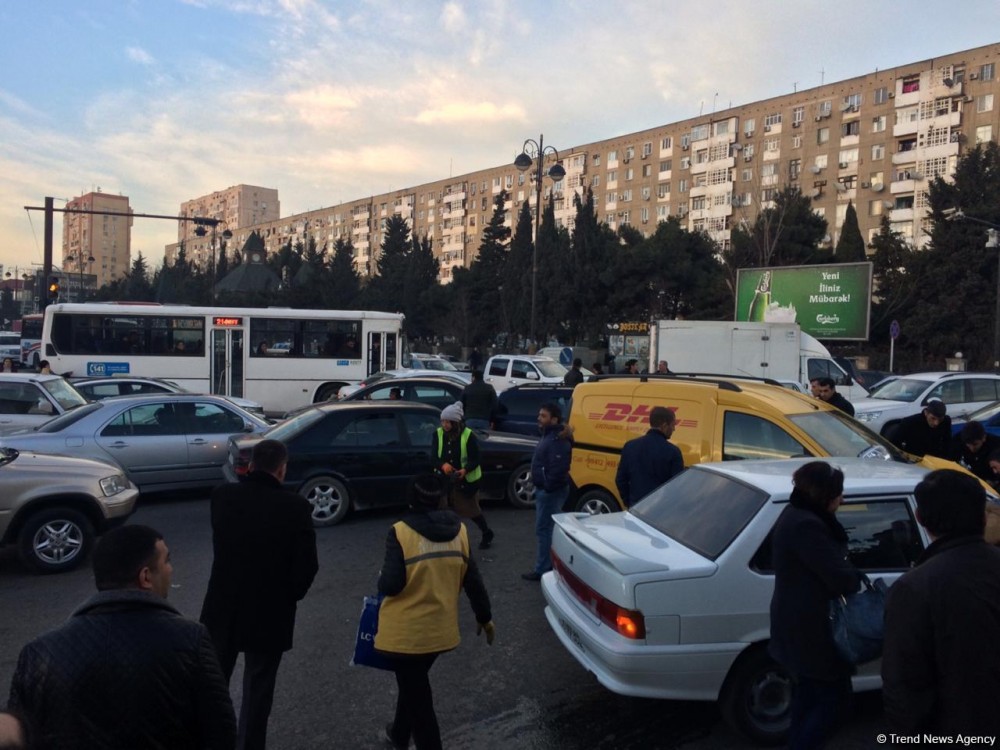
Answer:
(550, 475)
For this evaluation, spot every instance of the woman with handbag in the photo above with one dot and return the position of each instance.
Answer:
(427, 563)
(809, 550)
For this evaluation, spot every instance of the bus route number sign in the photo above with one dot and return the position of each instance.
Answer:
(107, 368)
(227, 322)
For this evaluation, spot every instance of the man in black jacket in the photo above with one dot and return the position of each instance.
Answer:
(941, 664)
(925, 434)
(126, 670)
(972, 447)
(265, 562)
(650, 460)
(826, 390)
(479, 403)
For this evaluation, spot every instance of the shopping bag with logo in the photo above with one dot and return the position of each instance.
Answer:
(858, 622)
(365, 654)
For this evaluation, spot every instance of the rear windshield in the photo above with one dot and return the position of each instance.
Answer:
(294, 425)
(65, 394)
(550, 369)
(702, 510)
(901, 389)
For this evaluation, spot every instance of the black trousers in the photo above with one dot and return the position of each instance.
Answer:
(260, 672)
(415, 715)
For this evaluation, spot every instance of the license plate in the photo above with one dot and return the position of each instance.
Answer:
(572, 634)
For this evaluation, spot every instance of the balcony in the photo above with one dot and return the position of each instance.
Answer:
(898, 187)
(901, 214)
(905, 157)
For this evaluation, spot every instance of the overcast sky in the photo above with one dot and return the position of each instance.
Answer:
(329, 101)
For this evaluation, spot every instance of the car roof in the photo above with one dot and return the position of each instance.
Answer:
(403, 382)
(117, 379)
(179, 397)
(328, 406)
(860, 474)
(525, 356)
(941, 374)
(31, 377)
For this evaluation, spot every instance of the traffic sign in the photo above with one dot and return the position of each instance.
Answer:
(894, 330)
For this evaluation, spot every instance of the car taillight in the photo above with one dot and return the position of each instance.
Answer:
(241, 462)
(626, 622)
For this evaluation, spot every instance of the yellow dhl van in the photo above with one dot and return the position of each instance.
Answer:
(718, 419)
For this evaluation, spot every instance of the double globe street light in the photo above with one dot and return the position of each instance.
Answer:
(200, 231)
(533, 154)
(80, 260)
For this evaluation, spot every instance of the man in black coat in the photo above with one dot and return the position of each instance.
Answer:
(650, 460)
(826, 390)
(265, 561)
(941, 664)
(925, 434)
(126, 670)
(972, 447)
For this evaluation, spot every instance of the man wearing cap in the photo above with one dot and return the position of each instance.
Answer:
(925, 434)
(456, 457)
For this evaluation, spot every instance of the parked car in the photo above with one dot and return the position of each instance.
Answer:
(362, 454)
(988, 416)
(871, 378)
(852, 369)
(504, 371)
(52, 507)
(962, 393)
(462, 377)
(164, 442)
(97, 389)
(417, 361)
(517, 407)
(718, 419)
(438, 392)
(30, 399)
(671, 598)
(458, 364)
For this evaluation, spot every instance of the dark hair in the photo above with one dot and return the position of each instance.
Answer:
(577, 362)
(660, 415)
(426, 490)
(816, 484)
(596, 366)
(825, 381)
(269, 455)
(477, 374)
(973, 431)
(553, 409)
(936, 408)
(122, 553)
(994, 456)
(951, 502)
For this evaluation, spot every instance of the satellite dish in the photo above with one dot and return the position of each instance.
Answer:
(737, 147)
(877, 187)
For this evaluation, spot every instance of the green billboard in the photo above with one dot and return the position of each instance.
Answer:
(828, 302)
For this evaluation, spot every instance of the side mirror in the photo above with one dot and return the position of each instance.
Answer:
(531, 375)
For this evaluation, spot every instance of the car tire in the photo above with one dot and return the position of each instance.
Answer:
(329, 499)
(55, 540)
(597, 501)
(520, 489)
(755, 699)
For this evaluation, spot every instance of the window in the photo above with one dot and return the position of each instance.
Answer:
(822, 135)
(666, 143)
(612, 175)
(950, 391)
(612, 156)
(646, 193)
(663, 190)
(911, 84)
(798, 114)
(875, 208)
(666, 165)
(769, 170)
(208, 419)
(701, 156)
(626, 195)
(629, 173)
(745, 436)
(596, 160)
(629, 152)
(821, 161)
(984, 103)
(796, 141)
(794, 168)
(848, 155)
(596, 180)
(986, 72)
(850, 128)
(878, 151)
(984, 133)
(612, 196)
(699, 133)
(369, 431)
(772, 145)
(647, 170)
(878, 124)
(685, 162)
(697, 204)
(881, 95)
(157, 419)
(644, 214)
(647, 149)
(746, 175)
(823, 109)
(749, 125)
(852, 101)
(682, 186)
(498, 367)
(772, 119)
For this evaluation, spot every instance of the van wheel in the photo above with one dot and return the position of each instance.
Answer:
(756, 697)
(520, 490)
(329, 499)
(55, 540)
(597, 501)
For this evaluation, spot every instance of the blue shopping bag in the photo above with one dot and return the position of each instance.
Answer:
(365, 654)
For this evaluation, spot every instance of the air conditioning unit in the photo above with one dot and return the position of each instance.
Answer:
(969, 99)
(626, 160)
(819, 118)
(973, 76)
(843, 165)
(767, 128)
(645, 156)
(685, 147)
(892, 95)
(797, 124)
(866, 184)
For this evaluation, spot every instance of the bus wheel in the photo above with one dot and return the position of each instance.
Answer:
(329, 499)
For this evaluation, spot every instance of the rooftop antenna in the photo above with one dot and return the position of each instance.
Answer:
(822, 76)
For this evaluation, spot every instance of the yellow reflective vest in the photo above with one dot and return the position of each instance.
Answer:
(423, 617)
(476, 474)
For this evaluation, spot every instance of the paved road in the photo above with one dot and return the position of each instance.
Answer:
(523, 692)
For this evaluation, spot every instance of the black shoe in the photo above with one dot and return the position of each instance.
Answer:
(532, 576)
(389, 740)
(487, 540)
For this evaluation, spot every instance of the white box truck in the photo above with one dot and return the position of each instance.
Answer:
(762, 350)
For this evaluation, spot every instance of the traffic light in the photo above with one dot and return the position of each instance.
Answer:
(54, 288)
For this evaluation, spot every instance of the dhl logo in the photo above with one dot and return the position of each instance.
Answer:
(639, 413)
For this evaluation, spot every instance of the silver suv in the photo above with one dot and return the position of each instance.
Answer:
(961, 392)
(52, 507)
(29, 399)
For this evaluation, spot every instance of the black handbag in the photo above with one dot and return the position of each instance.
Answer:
(857, 622)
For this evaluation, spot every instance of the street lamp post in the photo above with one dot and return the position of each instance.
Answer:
(993, 241)
(226, 235)
(80, 260)
(533, 154)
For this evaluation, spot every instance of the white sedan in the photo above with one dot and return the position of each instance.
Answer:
(671, 598)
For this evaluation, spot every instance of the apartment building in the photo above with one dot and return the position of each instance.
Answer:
(96, 247)
(875, 141)
(235, 207)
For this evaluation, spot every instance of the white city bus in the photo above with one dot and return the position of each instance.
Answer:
(279, 357)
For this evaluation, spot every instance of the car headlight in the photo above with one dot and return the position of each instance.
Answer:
(114, 484)
(869, 416)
